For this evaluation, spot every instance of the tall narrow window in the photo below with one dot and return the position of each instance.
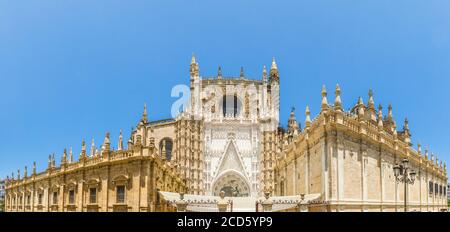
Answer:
(235, 105)
(40, 198)
(55, 198)
(72, 197)
(93, 195)
(430, 187)
(436, 189)
(28, 199)
(120, 191)
(224, 105)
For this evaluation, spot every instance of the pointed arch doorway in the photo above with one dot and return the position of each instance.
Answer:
(233, 184)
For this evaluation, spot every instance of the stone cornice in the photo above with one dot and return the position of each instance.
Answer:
(114, 158)
(331, 121)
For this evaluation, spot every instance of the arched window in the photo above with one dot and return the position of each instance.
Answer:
(165, 147)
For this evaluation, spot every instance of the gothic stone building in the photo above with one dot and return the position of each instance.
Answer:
(228, 139)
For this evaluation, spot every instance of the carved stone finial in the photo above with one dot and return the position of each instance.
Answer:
(308, 117)
(338, 101)
(264, 74)
(219, 73)
(324, 104)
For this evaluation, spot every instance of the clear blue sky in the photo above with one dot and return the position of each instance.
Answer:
(75, 69)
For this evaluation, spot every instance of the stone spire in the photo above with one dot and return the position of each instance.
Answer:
(64, 157)
(241, 75)
(49, 162)
(426, 153)
(92, 151)
(70, 155)
(380, 117)
(406, 131)
(390, 117)
(194, 70)
(120, 144)
(144, 114)
(308, 117)
(53, 160)
(219, 73)
(337, 100)
(371, 103)
(406, 125)
(324, 105)
(419, 149)
(34, 168)
(25, 172)
(274, 75)
(264, 74)
(293, 126)
(83, 150)
(18, 174)
(106, 142)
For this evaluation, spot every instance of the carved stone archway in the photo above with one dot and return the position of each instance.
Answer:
(233, 184)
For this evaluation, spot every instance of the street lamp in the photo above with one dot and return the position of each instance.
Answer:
(403, 173)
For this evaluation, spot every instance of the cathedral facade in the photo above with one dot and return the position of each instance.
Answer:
(227, 140)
